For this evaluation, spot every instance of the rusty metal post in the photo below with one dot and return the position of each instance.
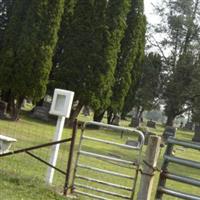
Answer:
(162, 178)
(70, 159)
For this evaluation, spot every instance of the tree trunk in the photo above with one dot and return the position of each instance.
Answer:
(74, 114)
(140, 114)
(16, 108)
(40, 102)
(98, 115)
(109, 116)
(170, 119)
(6, 96)
(137, 112)
(123, 115)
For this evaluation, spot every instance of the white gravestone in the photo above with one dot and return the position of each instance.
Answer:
(5, 143)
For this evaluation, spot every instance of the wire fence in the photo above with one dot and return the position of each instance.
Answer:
(22, 167)
(23, 170)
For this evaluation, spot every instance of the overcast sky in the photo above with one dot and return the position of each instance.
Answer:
(151, 17)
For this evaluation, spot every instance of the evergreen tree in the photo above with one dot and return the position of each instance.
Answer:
(10, 40)
(179, 29)
(183, 88)
(116, 16)
(130, 45)
(89, 56)
(73, 70)
(5, 12)
(147, 95)
(63, 37)
(136, 75)
(116, 21)
(28, 48)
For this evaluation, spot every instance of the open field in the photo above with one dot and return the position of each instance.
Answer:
(22, 177)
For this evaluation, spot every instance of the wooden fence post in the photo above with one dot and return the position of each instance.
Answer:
(150, 162)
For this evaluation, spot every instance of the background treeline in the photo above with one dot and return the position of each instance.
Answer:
(87, 46)
(98, 49)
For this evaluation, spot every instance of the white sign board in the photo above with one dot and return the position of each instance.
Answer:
(62, 103)
(61, 107)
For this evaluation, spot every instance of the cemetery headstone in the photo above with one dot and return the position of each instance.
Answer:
(42, 112)
(24, 103)
(116, 120)
(135, 122)
(147, 136)
(181, 125)
(196, 137)
(5, 143)
(151, 124)
(168, 132)
(3, 108)
(189, 126)
(86, 111)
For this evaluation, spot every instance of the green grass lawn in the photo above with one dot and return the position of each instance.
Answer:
(22, 177)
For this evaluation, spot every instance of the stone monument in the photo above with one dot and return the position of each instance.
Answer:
(189, 126)
(168, 132)
(86, 111)
(116, 120)
(42, 112)
(135, 122)
(3, 108)
(147, 136)
(196, 137)
(151, 124)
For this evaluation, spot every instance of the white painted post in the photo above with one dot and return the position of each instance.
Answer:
(55, 149)
(147, 178)
(61, 107)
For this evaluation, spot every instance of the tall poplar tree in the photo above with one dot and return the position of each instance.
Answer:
(116, 16)
(63, 37)
(28, 49)
(132, 43)
(5, 12)
(74, 68)
(10, 39)
(150, 86)
(136, 75)
(89, 55)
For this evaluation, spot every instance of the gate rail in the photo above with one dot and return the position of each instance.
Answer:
(165, 174)
(78, 164)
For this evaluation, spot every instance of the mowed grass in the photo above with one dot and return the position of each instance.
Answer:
(22, 177)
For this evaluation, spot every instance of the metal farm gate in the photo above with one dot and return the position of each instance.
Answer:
(86, 184)
(177, 177)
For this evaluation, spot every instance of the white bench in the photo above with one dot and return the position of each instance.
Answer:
(5, 143)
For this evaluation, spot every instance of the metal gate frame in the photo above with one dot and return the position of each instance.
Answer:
(111, 158)
(165, 174)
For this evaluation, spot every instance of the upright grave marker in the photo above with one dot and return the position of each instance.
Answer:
(3, 107)
(151, 124)
(61, 107)
(196, 137)
(168, 132)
